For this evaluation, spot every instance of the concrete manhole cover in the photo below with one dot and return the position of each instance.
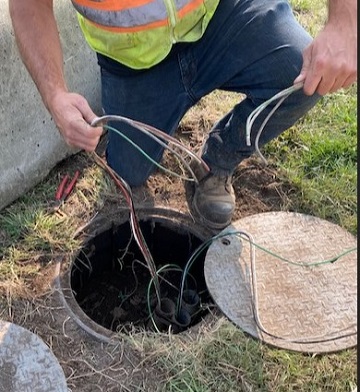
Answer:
(289, 295)
(26, 363)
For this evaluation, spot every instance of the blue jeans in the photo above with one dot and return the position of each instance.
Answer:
(253, 47)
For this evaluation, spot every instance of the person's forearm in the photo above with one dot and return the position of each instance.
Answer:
(39, 45)
(342, 11)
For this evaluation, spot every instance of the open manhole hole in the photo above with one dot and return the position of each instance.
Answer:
(108, 286)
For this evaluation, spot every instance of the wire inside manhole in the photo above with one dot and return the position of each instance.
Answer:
(110, 288)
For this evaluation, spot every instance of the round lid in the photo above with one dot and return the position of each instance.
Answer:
(271, 275)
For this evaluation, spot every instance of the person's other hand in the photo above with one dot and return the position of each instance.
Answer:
(330, 61)
(73, 115)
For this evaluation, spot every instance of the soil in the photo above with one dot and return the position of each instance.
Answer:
(91, 365)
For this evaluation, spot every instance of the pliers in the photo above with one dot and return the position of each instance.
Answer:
(64, 189)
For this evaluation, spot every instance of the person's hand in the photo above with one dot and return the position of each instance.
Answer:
(330, 61)
(73, 115)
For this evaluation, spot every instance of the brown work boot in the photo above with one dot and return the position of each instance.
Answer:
(213, 200)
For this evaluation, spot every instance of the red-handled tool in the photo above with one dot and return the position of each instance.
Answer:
(64, 189)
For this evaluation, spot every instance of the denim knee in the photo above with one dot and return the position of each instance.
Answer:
(133, 163)
(135, 174)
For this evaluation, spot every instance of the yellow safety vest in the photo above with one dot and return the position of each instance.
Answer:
(140, 33)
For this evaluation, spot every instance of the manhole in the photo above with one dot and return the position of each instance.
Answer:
(293, 292)
(108, 286)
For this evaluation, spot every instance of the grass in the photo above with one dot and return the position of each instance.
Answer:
(221, 358)
(317, 157)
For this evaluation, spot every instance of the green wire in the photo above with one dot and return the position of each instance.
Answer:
(145, 154)
(190, 262)
(197, 252)
(166, 266)
(328, 261)
(314, 264)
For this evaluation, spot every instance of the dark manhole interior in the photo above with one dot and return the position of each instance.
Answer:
(113, 285)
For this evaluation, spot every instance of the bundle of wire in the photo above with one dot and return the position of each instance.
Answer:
(159, 137)
(139, 238)
(281, 96)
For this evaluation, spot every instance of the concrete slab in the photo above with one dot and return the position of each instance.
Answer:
(30, 143)
(26, 362)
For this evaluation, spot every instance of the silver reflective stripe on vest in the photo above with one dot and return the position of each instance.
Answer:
(137, 16)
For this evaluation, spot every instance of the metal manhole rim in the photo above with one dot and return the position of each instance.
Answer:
(62, 280)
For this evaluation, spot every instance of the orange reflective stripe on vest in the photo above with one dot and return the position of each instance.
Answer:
(128, 14)
(111, 5)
